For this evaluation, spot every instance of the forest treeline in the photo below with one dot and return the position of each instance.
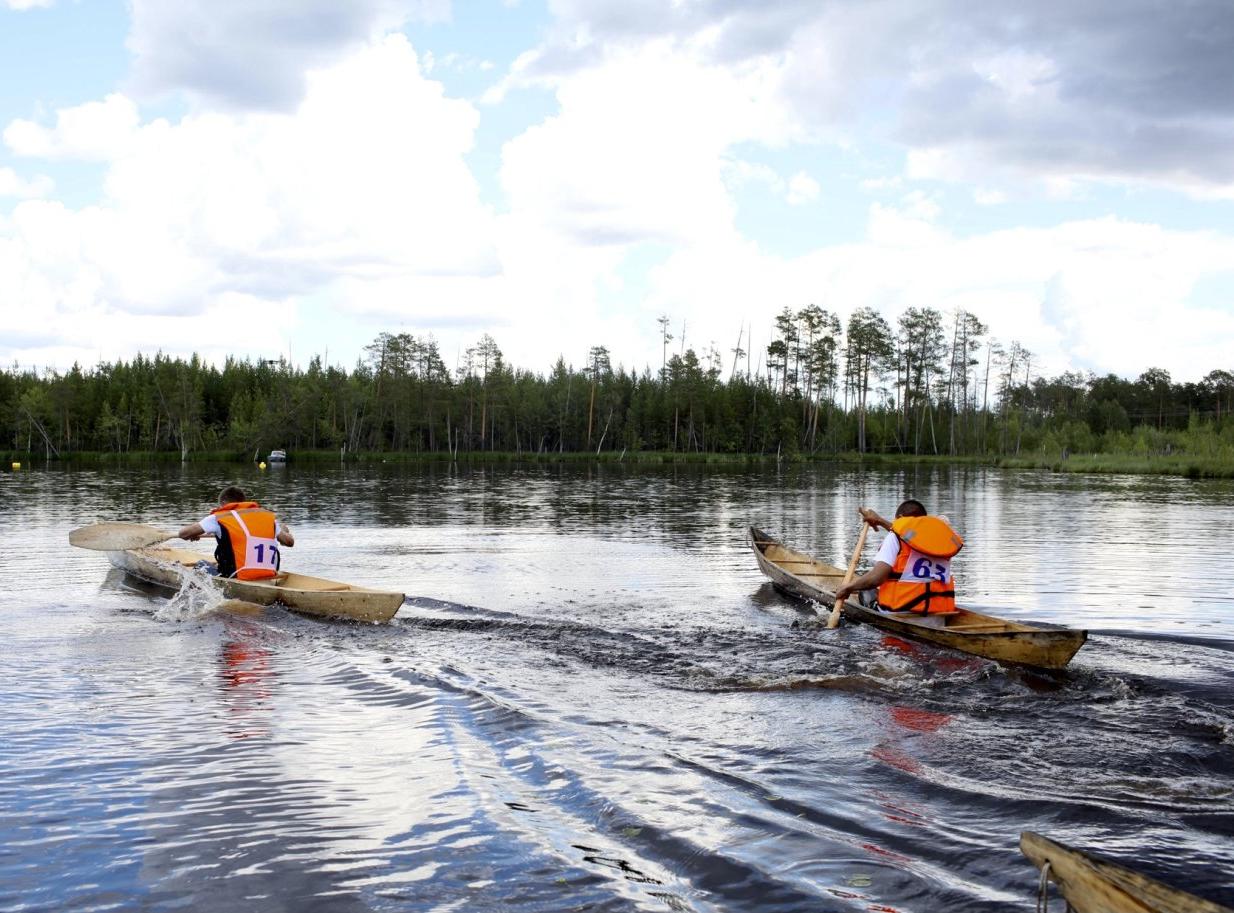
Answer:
(932, 384)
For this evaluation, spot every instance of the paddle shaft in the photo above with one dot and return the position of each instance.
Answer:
(834, 619)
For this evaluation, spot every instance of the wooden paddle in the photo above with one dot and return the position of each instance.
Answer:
(834, 619)
(117, 537)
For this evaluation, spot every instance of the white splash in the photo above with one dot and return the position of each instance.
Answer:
(198, 596)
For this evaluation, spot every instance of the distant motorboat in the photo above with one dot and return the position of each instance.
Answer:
(277, 456)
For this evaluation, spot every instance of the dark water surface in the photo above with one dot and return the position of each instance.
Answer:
(593, 700)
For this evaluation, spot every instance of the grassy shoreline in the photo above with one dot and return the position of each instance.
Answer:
(1191, 467)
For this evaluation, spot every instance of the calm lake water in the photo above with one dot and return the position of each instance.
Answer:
(593, 700)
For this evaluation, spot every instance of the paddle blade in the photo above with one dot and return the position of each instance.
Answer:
(117, 537)
(239, 607)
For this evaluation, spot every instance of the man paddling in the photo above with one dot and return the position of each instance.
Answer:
(248, 536)
(912, 569)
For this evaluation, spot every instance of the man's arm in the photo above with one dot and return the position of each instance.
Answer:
(871, 517)
(192, 532)
(874, 577)
(284, 536)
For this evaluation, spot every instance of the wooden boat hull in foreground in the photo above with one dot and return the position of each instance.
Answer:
(1092, 885)
(969, 632)
(299, 592)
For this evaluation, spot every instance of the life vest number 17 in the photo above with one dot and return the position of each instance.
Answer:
(260, 548)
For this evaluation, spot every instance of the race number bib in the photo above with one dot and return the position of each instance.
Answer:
(261, 553)
(925, 569)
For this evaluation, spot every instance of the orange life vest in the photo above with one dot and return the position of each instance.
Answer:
(920, 580)
(249, 546)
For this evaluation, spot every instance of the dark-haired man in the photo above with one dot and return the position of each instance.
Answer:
(912, 569)
(248, 536)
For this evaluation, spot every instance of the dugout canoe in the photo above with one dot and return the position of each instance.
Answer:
(298, 592)
(969, 632)
(1094, 885)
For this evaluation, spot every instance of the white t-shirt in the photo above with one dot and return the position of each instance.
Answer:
(889, 550)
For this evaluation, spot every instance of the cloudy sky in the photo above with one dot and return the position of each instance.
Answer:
(287, 178)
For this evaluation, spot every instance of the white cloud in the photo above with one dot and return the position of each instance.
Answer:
(254, 56)
(739, 172)
(96, 131)
(920, 205)
(12, 185)
(1121, 289)
(366, 180)
(639, 148)
(458, 63)
(802, 189)
(936, 164)
(894, 182)
(797, 190)
(21, 5)
(1033, 91)
(639, 155)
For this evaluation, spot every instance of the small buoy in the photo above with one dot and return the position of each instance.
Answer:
(17, 465)
(261, 465)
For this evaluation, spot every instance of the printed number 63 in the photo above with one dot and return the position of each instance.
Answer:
(924, 568)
